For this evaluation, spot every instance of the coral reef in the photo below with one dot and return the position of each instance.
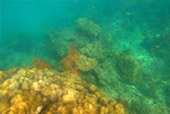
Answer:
(40, 64)
(88, 26)
(129, 69)
(70, 62)
(58, 41)
(93, 50)
(86, 64)
(5, 74)
(74, 62)
(94, 55)
(35, 91)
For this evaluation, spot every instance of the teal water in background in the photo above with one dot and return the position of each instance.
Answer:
(132, 47)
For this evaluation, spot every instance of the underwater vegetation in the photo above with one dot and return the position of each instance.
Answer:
(129, 69)
(40, 64)
(72, 83)
(74, 62)
(93, 62)
(82, 74)
(94, 58)
(70, 62)
(88, 26)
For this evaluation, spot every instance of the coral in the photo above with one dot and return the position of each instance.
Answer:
(106, 74)
(74, 61)
(58, 41)
(70, 61)
(93, 50)
(69, 97)
(86, 64)
(5, 74)
(129, 69)
(20, 104)
(4, 107)
(92, 88)
(40, 64)
(50, 92)
(88, 26)
(119, 109)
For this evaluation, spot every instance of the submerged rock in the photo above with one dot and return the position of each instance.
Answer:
(129, 69)
(88, 26)
(86, 64)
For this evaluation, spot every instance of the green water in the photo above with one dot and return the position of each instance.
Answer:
(129, 39)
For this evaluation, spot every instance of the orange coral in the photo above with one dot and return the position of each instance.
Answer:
(70, 62)
(40, 64)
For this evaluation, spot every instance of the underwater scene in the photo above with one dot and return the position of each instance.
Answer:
(85, 57)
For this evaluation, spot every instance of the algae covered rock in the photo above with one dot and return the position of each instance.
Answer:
(86, 64)
(106, 74)
(93, 50)
(129, 69)
(58, 41)
(88, 26)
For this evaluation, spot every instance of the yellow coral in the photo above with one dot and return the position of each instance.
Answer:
(70, 97)
(6, 83)
(25, 86)
(119, 109)
(4, 107)
(22, 72)
(104, 110)
(92, 88)
(62, 110)
(78, 110)
(49, 93)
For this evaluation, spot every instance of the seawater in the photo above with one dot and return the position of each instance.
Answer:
(132, 48)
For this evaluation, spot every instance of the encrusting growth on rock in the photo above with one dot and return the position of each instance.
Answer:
(35, 91)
